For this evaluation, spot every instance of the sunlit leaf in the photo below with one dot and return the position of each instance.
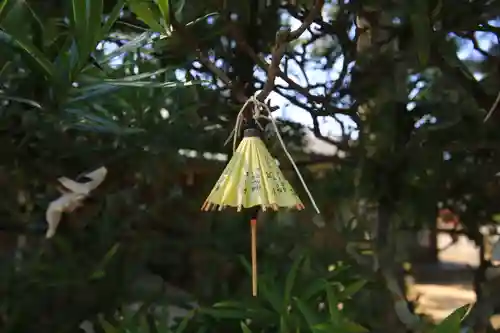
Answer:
(165, 11)
(245, 328)
(21, 100)
(132, 45)
(451, 324)
(146, 13)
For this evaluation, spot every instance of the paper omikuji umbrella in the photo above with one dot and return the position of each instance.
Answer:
(252, 178)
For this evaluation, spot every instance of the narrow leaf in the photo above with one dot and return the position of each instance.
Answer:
(165, 11)
(79, 21)
(147, 84)
(290, 280)
(225, 313)
(352, 327)
(273, 297)
(127, 47)
(6, 6)
(183, 325)
(107, 327)
(332, 305)
(21, 100)
(30, 53)
(353, 288)
(244, 328)
(113, 16)
(309, 314)
(145, 13)
(94, 28)
(422, 29)
(451, 324)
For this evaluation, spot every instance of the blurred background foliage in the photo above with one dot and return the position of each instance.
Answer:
(131, 85)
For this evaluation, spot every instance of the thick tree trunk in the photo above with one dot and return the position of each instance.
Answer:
(379, 83)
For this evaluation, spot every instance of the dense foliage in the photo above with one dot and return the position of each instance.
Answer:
(138, 85)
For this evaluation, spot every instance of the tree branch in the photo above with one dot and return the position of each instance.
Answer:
(464, 79)
(283, 38)
(236, 91)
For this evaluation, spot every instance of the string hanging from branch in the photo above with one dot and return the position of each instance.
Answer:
(252, 178)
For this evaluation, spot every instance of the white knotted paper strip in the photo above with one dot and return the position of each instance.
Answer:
(72, 197)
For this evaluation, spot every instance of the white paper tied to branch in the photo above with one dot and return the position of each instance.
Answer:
(73, 194)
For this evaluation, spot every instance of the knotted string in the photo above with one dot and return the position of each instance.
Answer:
(259, 106)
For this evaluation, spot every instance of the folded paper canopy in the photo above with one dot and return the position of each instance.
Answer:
(252, 178)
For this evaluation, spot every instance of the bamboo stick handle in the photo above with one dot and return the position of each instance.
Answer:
(253, 225)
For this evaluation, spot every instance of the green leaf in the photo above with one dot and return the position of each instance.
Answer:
(144, 12)
(3, 9)
(230, 304)
(112, 17)
(86, 17)
(269, 294)
(89, 92)
(244, 328)
(21, 100)
(132, 45)
(30, 53)
(79, 16)
(183, 325)
(147, 84)
(225, 313)
(110, 254)
(165, 11)
(90, 122)
(451, 324)
(38, 27)
(107, 327)
(7, 6)
(314, 288)
(422, 29)
(353, 288)
(332, 305)
(323, 327)
(93, 87)
(272, 296)
(290, 280)
(79, 23)
(100, 271)
(351, 327)
(180, 7)
(94, 28)
(309, 314)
